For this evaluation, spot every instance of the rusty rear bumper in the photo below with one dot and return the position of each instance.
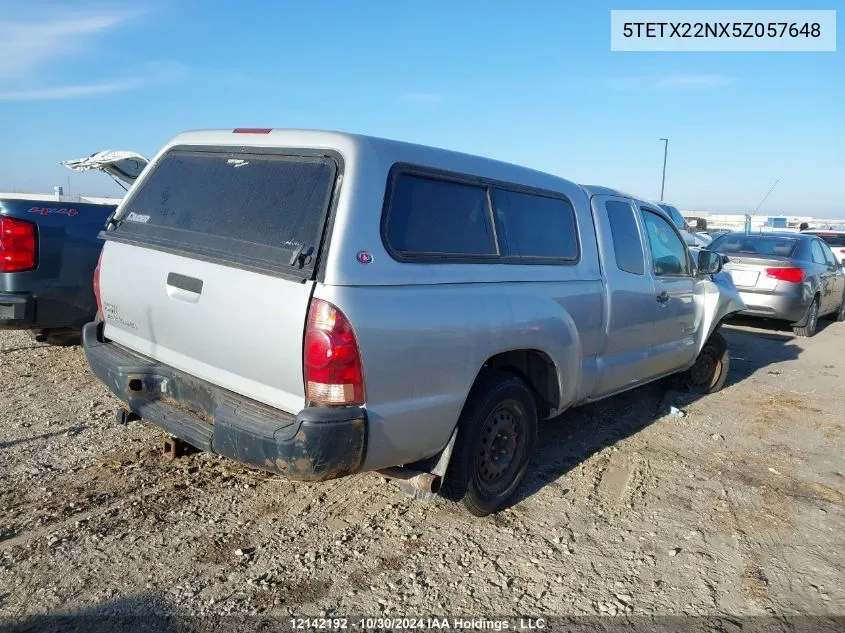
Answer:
(317, 444)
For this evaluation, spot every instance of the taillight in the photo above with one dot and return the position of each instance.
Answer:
(333, 371)
(97, 287)
(17, 245)
(786, 274)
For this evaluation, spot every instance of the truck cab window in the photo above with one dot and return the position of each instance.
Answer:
(668, 252)
(627, 245)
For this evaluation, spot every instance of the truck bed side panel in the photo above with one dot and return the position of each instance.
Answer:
(67, 252)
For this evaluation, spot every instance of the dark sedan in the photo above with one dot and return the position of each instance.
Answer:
(790, 276)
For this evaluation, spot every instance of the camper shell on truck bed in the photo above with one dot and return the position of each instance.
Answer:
(320, 303)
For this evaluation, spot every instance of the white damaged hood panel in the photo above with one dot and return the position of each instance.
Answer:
(124, 165)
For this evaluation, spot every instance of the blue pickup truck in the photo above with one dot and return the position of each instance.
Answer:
(49, 249)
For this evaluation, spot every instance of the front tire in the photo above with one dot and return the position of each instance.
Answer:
(811, 321)
(497, 432)
(710, 371)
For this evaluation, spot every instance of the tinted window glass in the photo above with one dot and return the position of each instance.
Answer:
(249, 207)
(818, 253)
(833, 240)
(439, 217)
(668, 253)
(530, 225)
(741, 244)
(828, 255)
(675, 215)
(626, 237)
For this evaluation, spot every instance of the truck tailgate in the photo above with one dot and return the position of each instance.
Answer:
(241, 331)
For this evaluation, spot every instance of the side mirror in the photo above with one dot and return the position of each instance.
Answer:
(709, 262)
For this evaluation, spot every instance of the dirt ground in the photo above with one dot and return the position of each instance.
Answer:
(735, 508)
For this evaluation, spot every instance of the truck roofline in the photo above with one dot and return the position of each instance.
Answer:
(348, 143)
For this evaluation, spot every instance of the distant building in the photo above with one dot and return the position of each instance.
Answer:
(736, 221)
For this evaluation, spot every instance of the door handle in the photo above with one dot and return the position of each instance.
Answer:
(183, 288)
(183, 282)
(663, 297)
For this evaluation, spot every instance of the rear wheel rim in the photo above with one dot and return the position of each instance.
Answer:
(841, 315)
(500, 448)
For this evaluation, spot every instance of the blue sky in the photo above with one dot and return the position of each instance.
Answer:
(533, 83)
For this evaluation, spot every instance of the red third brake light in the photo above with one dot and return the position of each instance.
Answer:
(17, 245)
(97, 287)
(333, 371)
(794, 275)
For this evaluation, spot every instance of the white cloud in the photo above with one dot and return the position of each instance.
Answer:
(422, 98)
(153, 74)
(29, 45)
(35, 41)
(72, 91)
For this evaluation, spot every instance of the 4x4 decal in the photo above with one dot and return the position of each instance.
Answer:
(49, 210)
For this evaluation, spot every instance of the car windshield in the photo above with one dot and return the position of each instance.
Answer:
(754, 245)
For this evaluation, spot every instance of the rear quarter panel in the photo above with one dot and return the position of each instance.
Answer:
(422, 346)
(67, 254)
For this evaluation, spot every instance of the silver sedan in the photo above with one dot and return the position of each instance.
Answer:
(790, 276)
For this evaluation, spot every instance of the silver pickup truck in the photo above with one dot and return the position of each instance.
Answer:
(319, 304)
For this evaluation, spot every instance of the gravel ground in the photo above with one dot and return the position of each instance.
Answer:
(735, 508)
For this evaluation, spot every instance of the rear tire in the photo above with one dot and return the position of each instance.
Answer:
(811, 321)
(710, 371)
(497, 432)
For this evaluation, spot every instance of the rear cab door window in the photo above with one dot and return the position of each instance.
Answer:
(627, 242)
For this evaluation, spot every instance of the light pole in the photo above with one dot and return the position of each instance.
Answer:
(665, 153)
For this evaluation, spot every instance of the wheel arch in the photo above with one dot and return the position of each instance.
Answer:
(536, 368)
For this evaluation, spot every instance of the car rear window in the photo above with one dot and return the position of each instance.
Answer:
(741, 244)
(832, 240)
(257, 209)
